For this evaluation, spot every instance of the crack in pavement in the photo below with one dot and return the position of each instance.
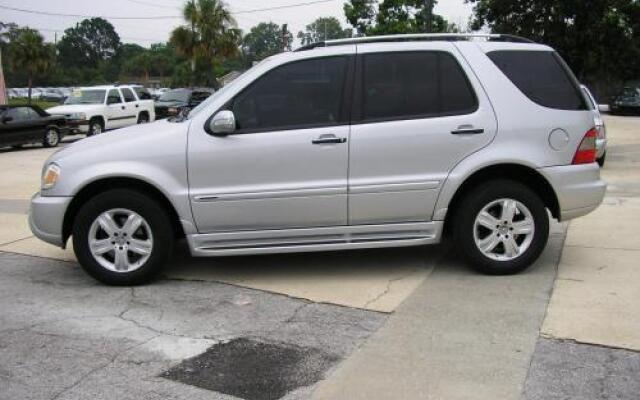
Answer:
(112, 360)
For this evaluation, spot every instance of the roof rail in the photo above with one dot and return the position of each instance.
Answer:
(417, 37)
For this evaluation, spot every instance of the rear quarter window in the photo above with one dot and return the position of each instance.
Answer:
(542, 76)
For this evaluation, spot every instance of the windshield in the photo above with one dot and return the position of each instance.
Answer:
(86, 97)
(178, 95)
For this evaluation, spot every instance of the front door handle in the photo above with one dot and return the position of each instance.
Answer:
(123, 107)
(328, 139)
(467, 130)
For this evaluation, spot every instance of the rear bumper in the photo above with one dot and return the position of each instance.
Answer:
(601, 147)
(46, 216)
(578, 187)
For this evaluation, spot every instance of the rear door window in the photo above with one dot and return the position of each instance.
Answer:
(128, 95)
(542, 76)
(411, 85)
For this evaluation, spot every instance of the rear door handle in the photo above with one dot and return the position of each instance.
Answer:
(328, 139)
(467, 130)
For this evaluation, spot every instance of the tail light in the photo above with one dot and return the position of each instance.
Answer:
(586, 152)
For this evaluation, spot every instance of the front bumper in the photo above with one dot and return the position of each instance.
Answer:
(578, 187)
(78, 125)
(46, 216)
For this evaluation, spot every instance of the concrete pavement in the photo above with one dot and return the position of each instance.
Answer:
(441, 331)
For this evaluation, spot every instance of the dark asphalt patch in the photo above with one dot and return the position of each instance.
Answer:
(565, 370)
(253, 370)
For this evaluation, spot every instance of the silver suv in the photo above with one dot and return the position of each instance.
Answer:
(347, 144)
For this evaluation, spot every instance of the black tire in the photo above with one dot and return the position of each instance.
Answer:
(51, 137)
(143, 118)
(478, 198)
(154, 214)
(602, 159)
(96, 127)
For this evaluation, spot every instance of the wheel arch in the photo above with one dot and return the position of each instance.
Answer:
(517, 172)
(102, 185)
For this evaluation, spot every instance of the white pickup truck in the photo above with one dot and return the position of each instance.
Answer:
(92, 110)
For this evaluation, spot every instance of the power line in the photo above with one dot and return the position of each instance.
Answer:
(308, 3)
(145, 3)
(52, 14)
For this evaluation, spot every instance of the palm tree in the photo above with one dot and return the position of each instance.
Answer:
(29, 53)
(210, 33)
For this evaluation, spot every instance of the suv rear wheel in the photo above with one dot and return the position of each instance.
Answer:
(122, 237)
(502, 227)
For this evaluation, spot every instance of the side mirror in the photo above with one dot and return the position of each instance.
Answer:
(223, 123)
(7, 119)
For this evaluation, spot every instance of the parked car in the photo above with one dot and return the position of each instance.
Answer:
(601, 140)
(328, 148)
(21, 125)
(92, 110)
(626, 102)
(173, 102)
(52, 96)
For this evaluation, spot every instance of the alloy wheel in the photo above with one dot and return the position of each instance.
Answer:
(120, 240)
(504, 229)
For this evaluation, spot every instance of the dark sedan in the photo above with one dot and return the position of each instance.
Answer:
(626, 102)
(30, 124)
(175, 101)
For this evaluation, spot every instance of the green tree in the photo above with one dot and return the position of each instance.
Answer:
(396, 17)
(89, 43)
(209, 36)
(28, 52)
(600, 41)
(323, 28)
(262, 41)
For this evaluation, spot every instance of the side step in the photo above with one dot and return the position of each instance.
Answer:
(314, 239)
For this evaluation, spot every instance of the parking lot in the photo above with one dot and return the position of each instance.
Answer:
(376, 324)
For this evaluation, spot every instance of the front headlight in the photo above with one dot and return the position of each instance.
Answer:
(50, 176)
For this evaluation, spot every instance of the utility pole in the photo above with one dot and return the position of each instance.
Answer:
(3, 92)
(193, 45)
(285, 38)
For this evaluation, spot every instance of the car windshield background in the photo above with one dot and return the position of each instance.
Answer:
(176, 96)
(297, 95)
(542, 77)
(411, 85)
(128, 95)
(86, 97)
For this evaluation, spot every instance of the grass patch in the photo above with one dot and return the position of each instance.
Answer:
(21, 101)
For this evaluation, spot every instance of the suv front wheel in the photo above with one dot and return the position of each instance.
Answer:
(122, 237)
(502, 227)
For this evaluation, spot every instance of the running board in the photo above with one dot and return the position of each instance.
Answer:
(314, 239)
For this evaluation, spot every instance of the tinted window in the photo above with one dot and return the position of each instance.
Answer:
(296, 95)
(128, 95)
(542, 76)
(414, 85)
(114, 97)
(143, 94)
(21, 114)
